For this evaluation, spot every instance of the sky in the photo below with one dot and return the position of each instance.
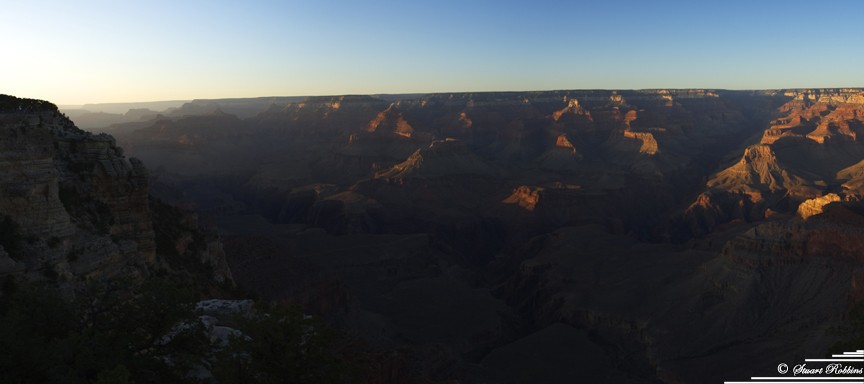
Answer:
(76, 52)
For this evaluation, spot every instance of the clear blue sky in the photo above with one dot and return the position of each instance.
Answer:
(74, 52)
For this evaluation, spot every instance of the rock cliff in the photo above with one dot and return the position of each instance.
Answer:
(810, 150)
(73, 207)
(442, 158)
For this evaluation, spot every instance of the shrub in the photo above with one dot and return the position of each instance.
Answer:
(281, 346)
(106, 336)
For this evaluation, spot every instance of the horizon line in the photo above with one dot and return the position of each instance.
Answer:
(80, 105)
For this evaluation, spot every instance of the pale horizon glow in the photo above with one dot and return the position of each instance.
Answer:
(73, 53)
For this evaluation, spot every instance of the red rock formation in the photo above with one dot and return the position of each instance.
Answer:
(812, 146)
(442, 158)
(816, 205)
(525, 197)
(391, 120)
(562, 142)
(649, 144)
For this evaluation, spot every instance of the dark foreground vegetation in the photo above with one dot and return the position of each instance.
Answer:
(109, 335)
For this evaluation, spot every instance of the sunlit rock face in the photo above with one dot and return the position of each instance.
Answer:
(809, 152)
(391, 120)
(649, 144)
(440, 159)
(816, 205)
(525, 197)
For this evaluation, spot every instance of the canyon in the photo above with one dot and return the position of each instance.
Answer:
(638, 236)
